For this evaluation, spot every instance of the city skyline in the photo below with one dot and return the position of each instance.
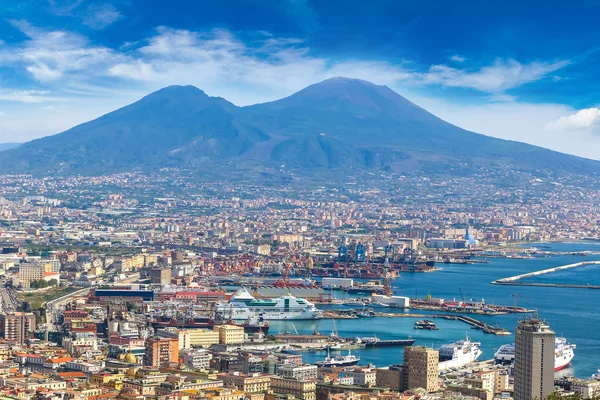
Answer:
(68, 62)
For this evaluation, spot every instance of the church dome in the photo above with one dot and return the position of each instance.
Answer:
(130, 358)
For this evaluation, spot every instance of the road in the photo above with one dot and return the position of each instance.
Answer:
(9, 299)
(56, 306)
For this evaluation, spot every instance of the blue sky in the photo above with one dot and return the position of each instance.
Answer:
(525, 71)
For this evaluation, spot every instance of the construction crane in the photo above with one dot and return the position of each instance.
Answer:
(286, 273)
(461, 295)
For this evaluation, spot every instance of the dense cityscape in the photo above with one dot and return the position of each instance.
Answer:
(134, 286)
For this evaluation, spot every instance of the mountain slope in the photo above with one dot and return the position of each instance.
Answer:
(339, 124)
(173, 126)
(8, 146)
(389, 130)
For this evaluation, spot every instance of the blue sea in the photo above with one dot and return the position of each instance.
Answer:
(571, 313)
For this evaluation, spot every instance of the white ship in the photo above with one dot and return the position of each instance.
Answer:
(242, 306)
(339, 361)
(563, 353)
(458, 354)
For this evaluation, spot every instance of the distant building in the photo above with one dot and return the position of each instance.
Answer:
(230, 334)
(189, 338)
(441, 243)
(16, 326)
(160, 276)
(197, 359)
(29, 272)
(534, 360)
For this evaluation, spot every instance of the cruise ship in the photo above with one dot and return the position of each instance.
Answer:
(243, 306)
(563, 353)
(458, 354)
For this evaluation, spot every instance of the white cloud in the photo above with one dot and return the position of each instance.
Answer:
(458, 58)
(49, 55)
(581, 120)
(496, 78)
(2, 113)
(101, 16)
(26, 96)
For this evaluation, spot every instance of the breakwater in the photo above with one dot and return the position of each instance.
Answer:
(514, 280)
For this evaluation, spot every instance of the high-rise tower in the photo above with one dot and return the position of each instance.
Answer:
(534, 360)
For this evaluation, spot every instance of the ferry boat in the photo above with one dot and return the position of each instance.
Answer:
(425, 324)
(563, 353)
(458, 354)
(339, 361)
(243, 306)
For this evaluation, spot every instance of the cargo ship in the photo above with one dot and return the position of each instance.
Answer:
(563, 353)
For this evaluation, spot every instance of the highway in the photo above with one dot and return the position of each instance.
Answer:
(9, 299)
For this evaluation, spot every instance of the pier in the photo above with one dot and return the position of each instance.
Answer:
(513, 280)
(494, 330)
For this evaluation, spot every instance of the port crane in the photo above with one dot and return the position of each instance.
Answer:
(283, 283)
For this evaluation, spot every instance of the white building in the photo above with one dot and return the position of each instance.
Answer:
(197, 359)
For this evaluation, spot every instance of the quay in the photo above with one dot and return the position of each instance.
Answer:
(513, 280)
(476, 324)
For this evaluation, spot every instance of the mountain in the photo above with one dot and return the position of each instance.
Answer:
(340, 124)
(8, 146)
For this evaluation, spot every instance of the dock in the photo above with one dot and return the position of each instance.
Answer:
(475, 323)
(514, 280)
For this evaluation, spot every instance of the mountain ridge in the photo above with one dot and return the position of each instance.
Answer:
(338, 124)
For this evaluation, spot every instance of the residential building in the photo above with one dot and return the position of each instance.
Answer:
(161, 351)
(16, 326)
(298, 372)
(534, 360)
(303, 389)
(254, 383)
(390, 377)
(197, 359)
(421, 368)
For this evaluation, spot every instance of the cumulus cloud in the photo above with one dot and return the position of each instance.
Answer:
(458, 58)
(581, 120)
